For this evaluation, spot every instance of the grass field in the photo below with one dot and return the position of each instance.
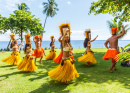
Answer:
(94, 79)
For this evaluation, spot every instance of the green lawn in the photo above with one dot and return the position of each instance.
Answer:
(94, 79)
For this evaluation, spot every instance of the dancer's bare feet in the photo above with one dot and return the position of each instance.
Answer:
(67, 82)
(87, 64)
(40, 61)
(111, 70)
(74, 60)
(115, 68)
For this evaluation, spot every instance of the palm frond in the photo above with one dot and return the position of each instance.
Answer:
(127, 46)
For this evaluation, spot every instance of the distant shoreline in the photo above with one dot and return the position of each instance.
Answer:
(73, 40)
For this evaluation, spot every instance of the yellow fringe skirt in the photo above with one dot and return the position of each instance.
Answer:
(27, 64)
(64, 73)
(52, 55)
(14, 58)
(88, 57)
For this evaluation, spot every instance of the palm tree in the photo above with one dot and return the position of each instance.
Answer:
(50, 9)
(114, 24)
(22, 6)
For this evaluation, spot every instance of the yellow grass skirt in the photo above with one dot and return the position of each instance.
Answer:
(52, 55)
(14, 58)
(87, 57)
(27, 64)
(64, 73)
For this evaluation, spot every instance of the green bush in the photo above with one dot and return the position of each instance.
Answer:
(49, 48)
(33, 48)
(3, 51)
(56, 48)
(45, 48)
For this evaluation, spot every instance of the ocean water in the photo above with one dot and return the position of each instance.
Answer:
(75, 44)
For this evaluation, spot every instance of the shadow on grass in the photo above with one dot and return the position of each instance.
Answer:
(16, 73)
(52, 87)
(99, 73)
(96, 73)
(6, 66)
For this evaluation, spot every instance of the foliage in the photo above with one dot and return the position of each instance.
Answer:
(33, 48)
(50, 8)
(3, 51)
(127, 47)
(120, 9)
(23, 21)
(22, 6)
(3, 24)
(123, 57)
(112, 24)
(45, 48)
(56, 48)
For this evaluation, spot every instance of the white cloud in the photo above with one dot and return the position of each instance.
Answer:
(69, 2)
(9, 4)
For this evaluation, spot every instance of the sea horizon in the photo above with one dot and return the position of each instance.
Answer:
(74, 43)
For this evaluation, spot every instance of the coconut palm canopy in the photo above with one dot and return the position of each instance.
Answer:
(113, 24)
(50, 8)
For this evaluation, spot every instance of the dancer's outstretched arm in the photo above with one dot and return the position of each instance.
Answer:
(123, 32)
(94, 39)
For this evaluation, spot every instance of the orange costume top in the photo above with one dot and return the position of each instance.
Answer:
(110, 54)
(38, 53)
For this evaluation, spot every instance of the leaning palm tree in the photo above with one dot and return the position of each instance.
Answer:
(114, 24)
(50, 9)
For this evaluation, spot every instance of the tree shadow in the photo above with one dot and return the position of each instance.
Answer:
(99, 73)
(51, 86)
(7, 66)
(24, 73)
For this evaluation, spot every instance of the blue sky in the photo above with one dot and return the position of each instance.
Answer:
(73, 11)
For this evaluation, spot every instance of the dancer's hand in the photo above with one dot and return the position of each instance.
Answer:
(122, 26)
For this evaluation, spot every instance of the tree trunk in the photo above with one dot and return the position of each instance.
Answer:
(44, 24)
(21, 34)
(9, 44)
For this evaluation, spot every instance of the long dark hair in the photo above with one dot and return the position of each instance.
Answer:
(68, 40)
(86, 42)
(50, 44)
(27, 45)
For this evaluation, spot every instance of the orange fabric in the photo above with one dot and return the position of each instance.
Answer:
(110, 54)
(72, 57)
(59, 58)
(37, 36)
(38, 53)
(114, 29)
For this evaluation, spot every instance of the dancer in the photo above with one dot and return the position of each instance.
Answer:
(88, 57)
(21, 47)
(52, 55)
(63, 28)
(66, 70)
(14, 58)
(113, 45)
(38, 52)
(27, 64)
